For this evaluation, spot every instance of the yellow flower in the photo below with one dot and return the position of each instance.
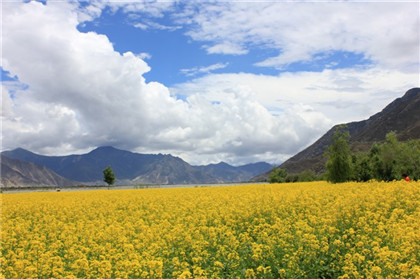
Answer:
(376, 270)
(219, 264)
(249, 273)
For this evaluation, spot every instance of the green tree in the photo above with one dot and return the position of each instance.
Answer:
(385, 159)
(411, 159)
(339, 157)
(391, 159)
(362, 167)
(292, 177)
(308, 175)
(109, 176)
(277, 175)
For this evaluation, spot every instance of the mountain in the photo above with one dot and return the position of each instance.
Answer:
(231, 173)
(401, 116)
(138, 168)
(173, 170)
(256, 168)
(88, 167)
(17, 173)
(226, 171)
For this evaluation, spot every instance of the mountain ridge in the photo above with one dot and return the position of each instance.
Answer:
(136, 168)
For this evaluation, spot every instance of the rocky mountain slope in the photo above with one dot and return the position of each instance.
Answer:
(401, 116)
(135, 168)
(17, 173)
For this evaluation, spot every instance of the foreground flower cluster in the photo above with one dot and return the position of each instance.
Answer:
(312, 230)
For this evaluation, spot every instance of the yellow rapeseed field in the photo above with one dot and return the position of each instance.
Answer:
(301, 230)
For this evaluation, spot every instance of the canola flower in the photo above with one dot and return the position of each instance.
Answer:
(302, 230)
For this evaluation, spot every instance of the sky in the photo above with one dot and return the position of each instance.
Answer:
(208, 81)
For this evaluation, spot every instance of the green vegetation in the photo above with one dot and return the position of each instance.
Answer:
(386, 161)
(277, 175)
(281, 175)
(338, 166)
(109, 176)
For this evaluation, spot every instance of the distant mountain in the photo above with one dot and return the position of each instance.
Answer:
(226, 171)
(138, 168)
(231, 173)
(16, 173)
(401, 116)
(88, 167)
(173, 170)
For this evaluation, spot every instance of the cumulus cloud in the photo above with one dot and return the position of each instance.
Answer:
(77, 73)
(82, 93)
(6, 103)
(335, 96)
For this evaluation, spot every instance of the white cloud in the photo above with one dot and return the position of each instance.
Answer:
(144, 55)
(385, 32)
(203, 70)
(329, 97)
(6, 103)
(90, 10)
(148, 24)
(82, 93)
(141, 26)
(152, 8)
(226, 48)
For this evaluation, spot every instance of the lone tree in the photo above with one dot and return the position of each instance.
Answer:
(339, 157)
(109, 176)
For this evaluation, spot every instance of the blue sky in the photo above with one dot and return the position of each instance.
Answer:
(212, 81)
(176, 58)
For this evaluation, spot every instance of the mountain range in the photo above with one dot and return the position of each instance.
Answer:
(128, 167)
(401, 116)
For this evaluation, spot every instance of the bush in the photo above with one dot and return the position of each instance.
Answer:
(277, 175)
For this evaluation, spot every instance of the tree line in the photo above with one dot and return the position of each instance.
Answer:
(386, 161)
